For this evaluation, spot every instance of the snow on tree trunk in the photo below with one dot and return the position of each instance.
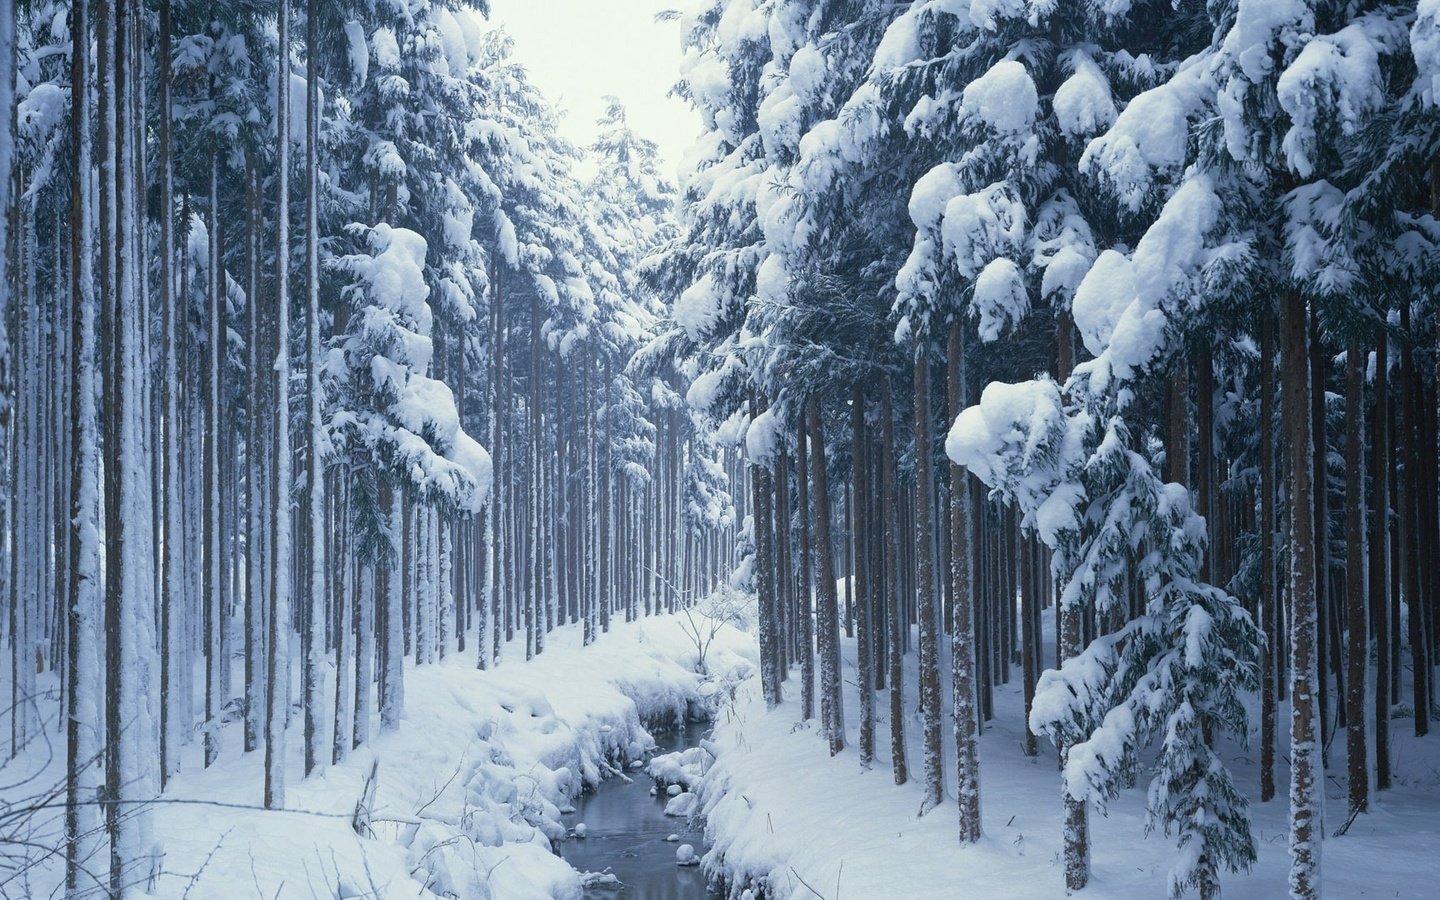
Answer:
(962, 637)
(1306, 769)
(278, 659)
(805, 581)
(926, 609)
(897, 623)
(84, 738)
(1380, 480)
(315, 531)
(765, 570)
(832, 713)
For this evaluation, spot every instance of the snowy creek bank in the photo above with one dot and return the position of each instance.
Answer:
(787, 821)
(640, 834)
(473, 796)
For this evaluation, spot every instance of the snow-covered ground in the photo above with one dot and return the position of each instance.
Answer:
(781, 811)
(467, 793)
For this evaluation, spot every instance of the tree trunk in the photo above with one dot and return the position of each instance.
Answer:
(314, 645)
(962, 635)
(926, 610)
(1269, 605)
(1325, 643)
(803, 587)
(210, 384)
(1380, 556)
(832, 714)
(278, 682)
(1409, 514)
(1306, 770)
(860, 575)
(765, 573)
(83, 781)
(1356, 624)
(897, 623)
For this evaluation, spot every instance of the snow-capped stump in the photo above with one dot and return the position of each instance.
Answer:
(682, 805)
(580, 830)
(685, 856)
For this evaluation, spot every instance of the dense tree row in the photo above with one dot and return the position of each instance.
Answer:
(272, 274)
(1160, 280)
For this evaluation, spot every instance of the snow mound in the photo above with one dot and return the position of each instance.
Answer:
(683, 805)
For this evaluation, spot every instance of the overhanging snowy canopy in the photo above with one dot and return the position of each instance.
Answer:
(406, 418)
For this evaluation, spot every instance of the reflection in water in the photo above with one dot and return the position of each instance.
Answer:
(625, 834)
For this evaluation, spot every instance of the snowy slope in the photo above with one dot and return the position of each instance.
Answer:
(781, 811)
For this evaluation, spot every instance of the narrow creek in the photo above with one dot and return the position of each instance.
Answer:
(627, 831)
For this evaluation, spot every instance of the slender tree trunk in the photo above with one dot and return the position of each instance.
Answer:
(804, 585)
(83, 781)
(860, 575)
(1380, 484)
(832, 714)
(926, 610)
(1356, 624)
(314, 580)
(392, 684)
(962, 635)
(765, 573)
(1306, 770)
(173, 674)
(897, 623)
(1325, 642)
(1409, 515)
(210, 382)
(1269, 604)
(783, 566)
(278, 660)
(255, 602)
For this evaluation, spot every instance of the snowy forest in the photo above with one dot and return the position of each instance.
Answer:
(1001, 459)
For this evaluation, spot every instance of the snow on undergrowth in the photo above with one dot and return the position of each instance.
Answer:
(787, 821)
(465, 798)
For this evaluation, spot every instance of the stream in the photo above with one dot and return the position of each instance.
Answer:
(626, 830)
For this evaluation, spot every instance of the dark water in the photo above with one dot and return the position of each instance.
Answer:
(625, 834)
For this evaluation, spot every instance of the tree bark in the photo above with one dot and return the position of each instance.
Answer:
(1356, 624)
(764, 529)
(897, 622)
(962, 636)
(1380, 556)
(1269, 605)
(926, 611)
(1306, 770)
(804, 582)
(832, 714)
(860, 575)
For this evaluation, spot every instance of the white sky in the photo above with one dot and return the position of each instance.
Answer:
(578, 51)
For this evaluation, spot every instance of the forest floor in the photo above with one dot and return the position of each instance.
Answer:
(783, 812)
(467, 794)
